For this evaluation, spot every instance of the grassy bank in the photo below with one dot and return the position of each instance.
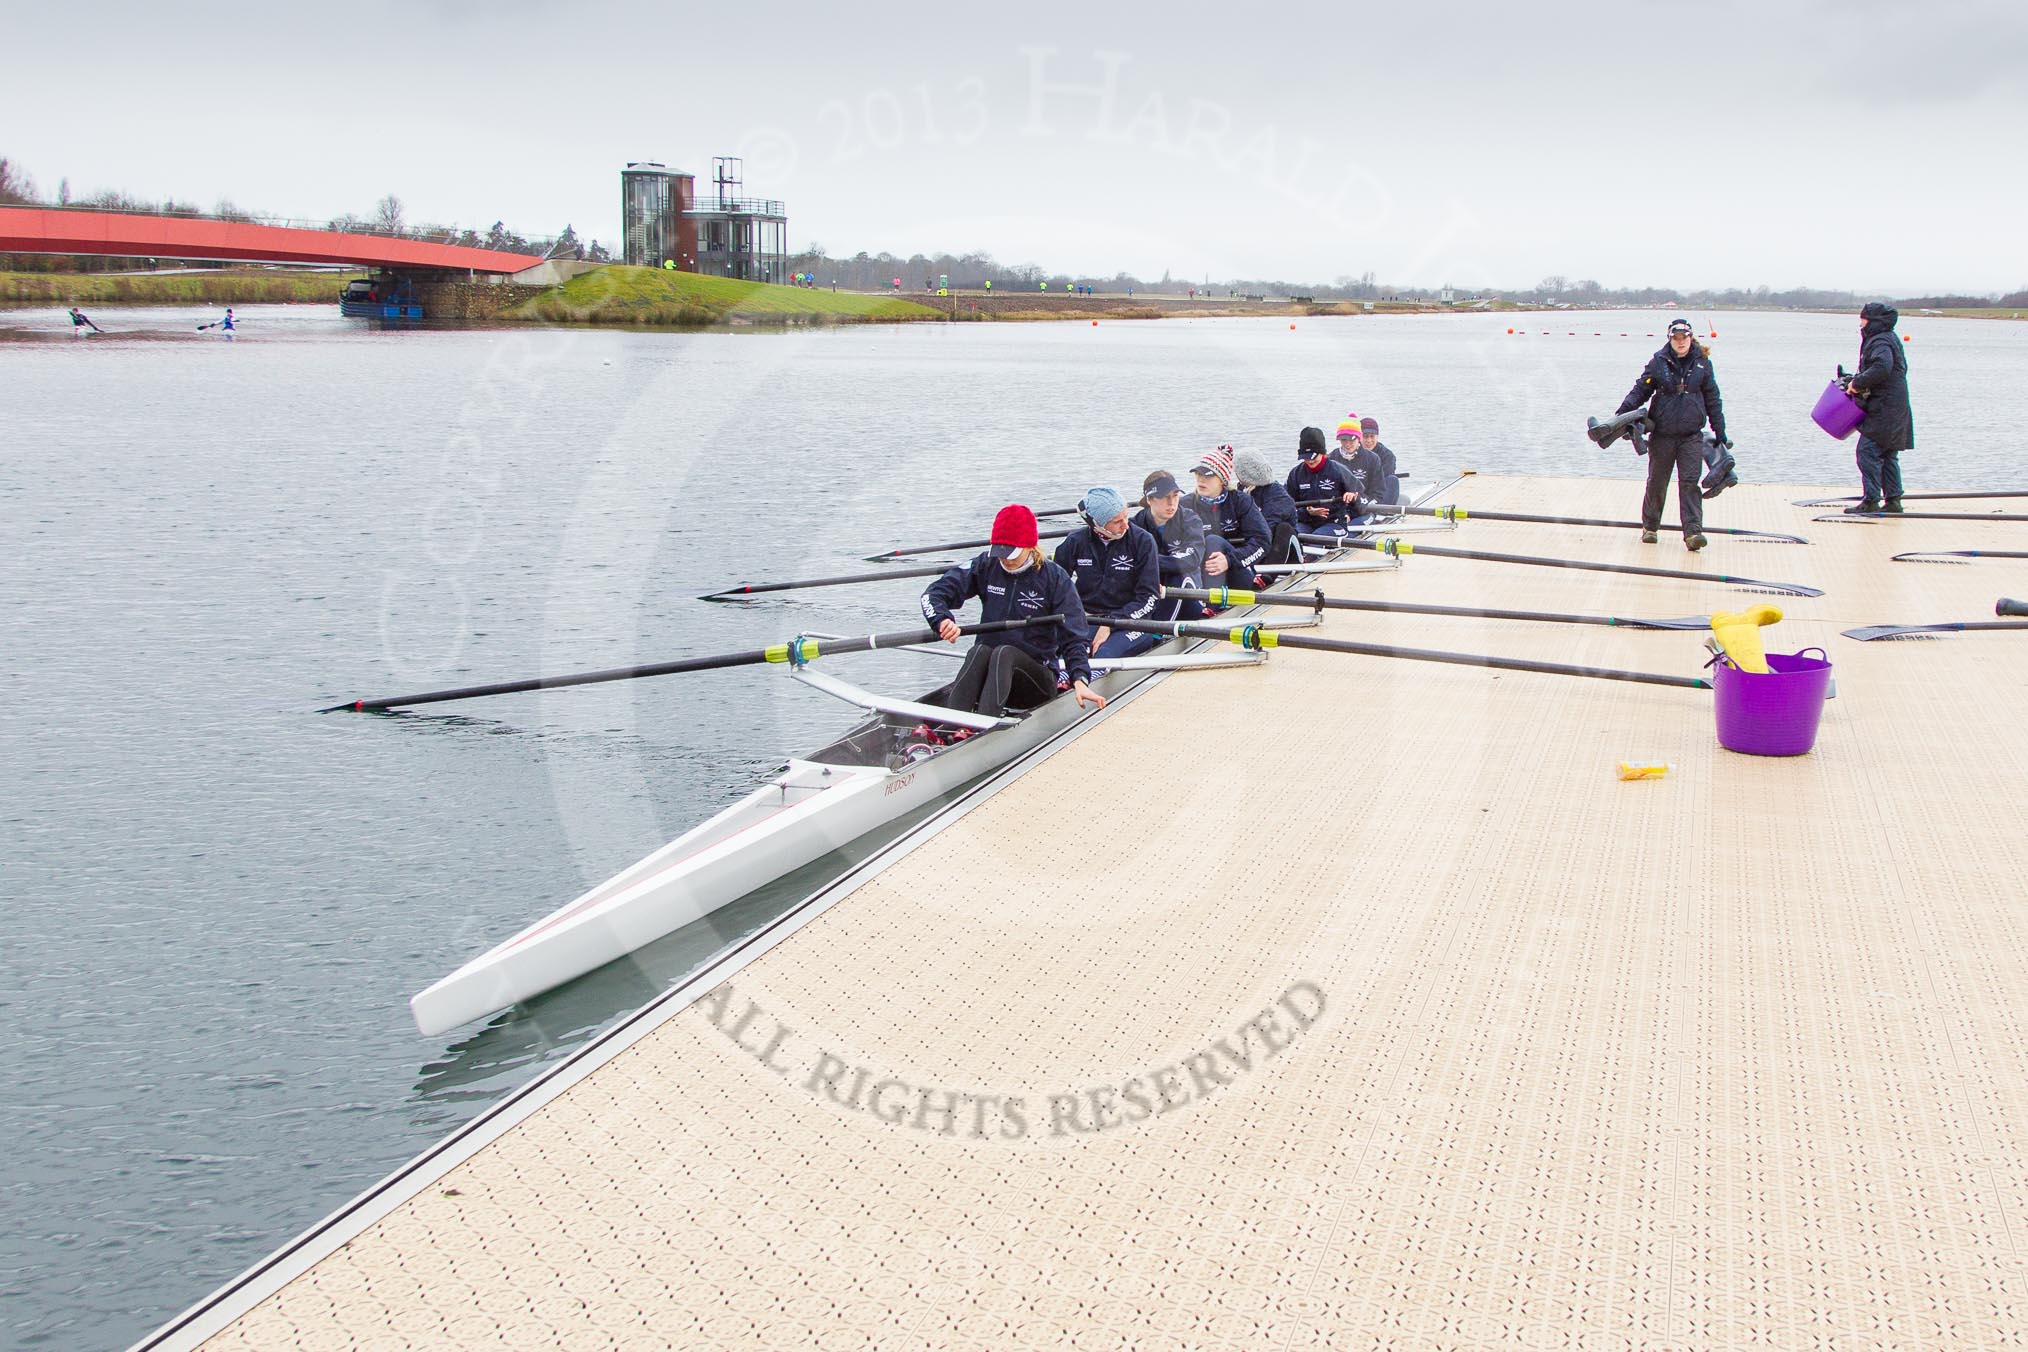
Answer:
(1987, 312)
(623, 295)
(222, 287)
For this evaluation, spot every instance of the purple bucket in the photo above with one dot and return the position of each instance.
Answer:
(1774, 714)
(1837, 412)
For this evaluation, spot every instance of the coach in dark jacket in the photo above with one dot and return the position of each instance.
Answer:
(1881, 384)
(1681, 392)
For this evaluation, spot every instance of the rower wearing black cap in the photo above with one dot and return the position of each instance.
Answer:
(1179, 542)
(1323, 489)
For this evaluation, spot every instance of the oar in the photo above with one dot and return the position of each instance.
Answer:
(1873, 631)
(1400, 547)
(1918, 497)
(746, 589)
(957, 544)
(796, 651)
(1460, 514)
(1253, 637)
(1870, 517)
(1951, 555)
(1225, 597)
(2007, 605)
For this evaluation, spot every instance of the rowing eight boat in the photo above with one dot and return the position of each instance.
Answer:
(902, 756)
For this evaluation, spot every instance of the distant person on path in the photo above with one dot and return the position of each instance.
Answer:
(1680, 389)
(78, 320)
(1881, 386)
(1276, 506)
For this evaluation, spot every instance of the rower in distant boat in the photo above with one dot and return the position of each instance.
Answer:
(1237, 535)
(1015, 668)
(1369, 478)
(1179, 542)
(1323, 488)
(1277, 508)
(78, 320)
(1112, 563)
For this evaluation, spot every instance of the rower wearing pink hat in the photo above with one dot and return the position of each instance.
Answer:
(1362, 465)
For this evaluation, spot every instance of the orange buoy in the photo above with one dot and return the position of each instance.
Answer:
(1292, 326)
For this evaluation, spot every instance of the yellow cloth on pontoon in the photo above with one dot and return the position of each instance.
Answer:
(1738, 633)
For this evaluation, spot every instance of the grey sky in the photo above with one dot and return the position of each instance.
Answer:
(1856, 144)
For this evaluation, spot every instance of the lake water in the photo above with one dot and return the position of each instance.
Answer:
(214, 903)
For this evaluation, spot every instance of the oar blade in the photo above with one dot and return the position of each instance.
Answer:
(1868, 633)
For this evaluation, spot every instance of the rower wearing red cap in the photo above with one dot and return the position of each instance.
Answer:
(1013, 668)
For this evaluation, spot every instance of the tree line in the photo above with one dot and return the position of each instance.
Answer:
(971, 271)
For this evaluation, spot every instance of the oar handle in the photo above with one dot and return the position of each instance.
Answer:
(795, 651)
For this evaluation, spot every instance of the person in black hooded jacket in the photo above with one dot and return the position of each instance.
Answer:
(1681, 392)
(1881, 384)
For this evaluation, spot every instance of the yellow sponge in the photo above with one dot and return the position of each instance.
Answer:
(1739, 634)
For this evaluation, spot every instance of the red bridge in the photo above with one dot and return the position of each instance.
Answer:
(60, 231)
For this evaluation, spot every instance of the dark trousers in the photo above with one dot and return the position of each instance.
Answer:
(1121, 643)
(994, 680)
(1282, 545)
(1879, 471)
(1684, 458)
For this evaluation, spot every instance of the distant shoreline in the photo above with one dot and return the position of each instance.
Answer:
(617, 296)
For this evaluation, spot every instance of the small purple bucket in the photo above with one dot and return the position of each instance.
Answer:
(1837, 412)
(1774, 714)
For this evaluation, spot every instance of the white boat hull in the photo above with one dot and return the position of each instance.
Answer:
(803, 813)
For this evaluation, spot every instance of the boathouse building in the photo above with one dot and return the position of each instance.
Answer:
(726, 234)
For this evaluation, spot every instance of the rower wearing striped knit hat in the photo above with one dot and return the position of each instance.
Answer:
(1236, 533)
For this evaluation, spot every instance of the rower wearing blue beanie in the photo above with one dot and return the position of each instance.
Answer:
(1112, 561)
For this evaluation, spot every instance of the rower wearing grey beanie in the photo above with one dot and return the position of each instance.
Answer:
(1113, 562)
(1252, 473)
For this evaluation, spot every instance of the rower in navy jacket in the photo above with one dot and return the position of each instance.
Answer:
(1323, 483)
(1369, 477)
(1179, 542)
(1277, 508)
(1013, 668)
(1232, 520)
(1112, 561)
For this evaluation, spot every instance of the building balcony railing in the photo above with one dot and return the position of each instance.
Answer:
(738, 206)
